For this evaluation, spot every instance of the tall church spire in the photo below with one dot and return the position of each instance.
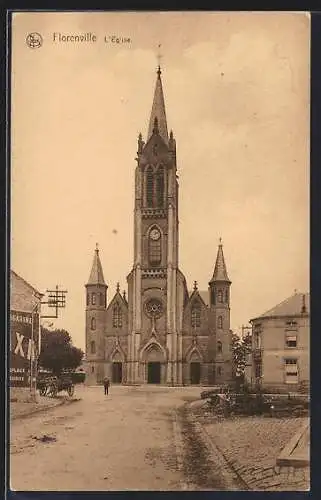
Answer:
(220, 272)
(96, 275)
(158, 113)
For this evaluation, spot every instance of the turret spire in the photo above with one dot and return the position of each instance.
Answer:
(158, 110)
(220, 272)
(96, 275)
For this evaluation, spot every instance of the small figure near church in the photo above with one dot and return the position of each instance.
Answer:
(106, 385)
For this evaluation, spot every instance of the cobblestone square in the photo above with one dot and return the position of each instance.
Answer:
(146, 438)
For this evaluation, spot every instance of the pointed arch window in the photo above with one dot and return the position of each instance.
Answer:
(220, 322)
(220, 296)
(196, 315)
(93, 324)
(117, 316)
(88, 299)
(219, 370)
(149, 186)
(226, 295)
(101, 299)
(93, 299)
(160, 187)
(92, 347)
(219, 347)
(212, 296)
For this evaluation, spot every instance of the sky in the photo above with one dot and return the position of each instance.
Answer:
(236, 89)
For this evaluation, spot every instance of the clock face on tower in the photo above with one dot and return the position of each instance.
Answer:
(154, 234)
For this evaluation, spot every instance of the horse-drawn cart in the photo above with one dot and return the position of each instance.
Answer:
(50, 385)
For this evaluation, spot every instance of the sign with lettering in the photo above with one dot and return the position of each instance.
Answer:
(24, 333)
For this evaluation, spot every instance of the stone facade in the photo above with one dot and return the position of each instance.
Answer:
(281, 346)
(160, 332)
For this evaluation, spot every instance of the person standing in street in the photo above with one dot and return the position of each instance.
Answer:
(106, 385)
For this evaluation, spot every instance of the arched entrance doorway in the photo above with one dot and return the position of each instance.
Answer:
(195, 369)
(117, 369)
(154, 360)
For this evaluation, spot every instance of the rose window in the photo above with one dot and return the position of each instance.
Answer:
(154, 308)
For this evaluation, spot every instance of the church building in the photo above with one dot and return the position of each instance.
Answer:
(160, 333)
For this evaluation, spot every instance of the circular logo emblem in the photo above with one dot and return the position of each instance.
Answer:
(154, 308)
(34, 40)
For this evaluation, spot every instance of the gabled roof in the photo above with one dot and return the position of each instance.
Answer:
(220, 272)
(196, 293)
(118, 298)
(14, 275)
(204, 296)
(292, 306)
(158, 111)
(96, 275)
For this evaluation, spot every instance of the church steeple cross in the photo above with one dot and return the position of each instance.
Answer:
(159, 57)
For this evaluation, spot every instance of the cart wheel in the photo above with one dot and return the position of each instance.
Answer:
(43, 391)
(52, 391)
(71, 390)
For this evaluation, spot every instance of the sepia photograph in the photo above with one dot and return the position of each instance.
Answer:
(159, 322)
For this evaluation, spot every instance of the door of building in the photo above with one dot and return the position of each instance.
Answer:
(195, 373)
(117, 372)
(154, 372)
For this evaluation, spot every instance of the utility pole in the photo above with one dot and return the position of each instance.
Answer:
(57, 300)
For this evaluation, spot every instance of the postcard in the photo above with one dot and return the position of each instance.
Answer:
(160, 305)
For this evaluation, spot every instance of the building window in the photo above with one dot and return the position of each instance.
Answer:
(219, 370)
(160, 187)
(212, 297)
(196, 316)
(226, 295)
(291, 341)
(88, 299)
(291, 371)
(220, 296)
(155, 251)
(149, 186)
(101, 299)
(117, 317)
(92, 347)
(93, 299)
(257, 340)
(220, 322)
(219, 347)
(92, 369)
(93, 324)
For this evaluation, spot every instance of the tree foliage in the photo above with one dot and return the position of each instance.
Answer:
(241, 349)
(57, 352)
